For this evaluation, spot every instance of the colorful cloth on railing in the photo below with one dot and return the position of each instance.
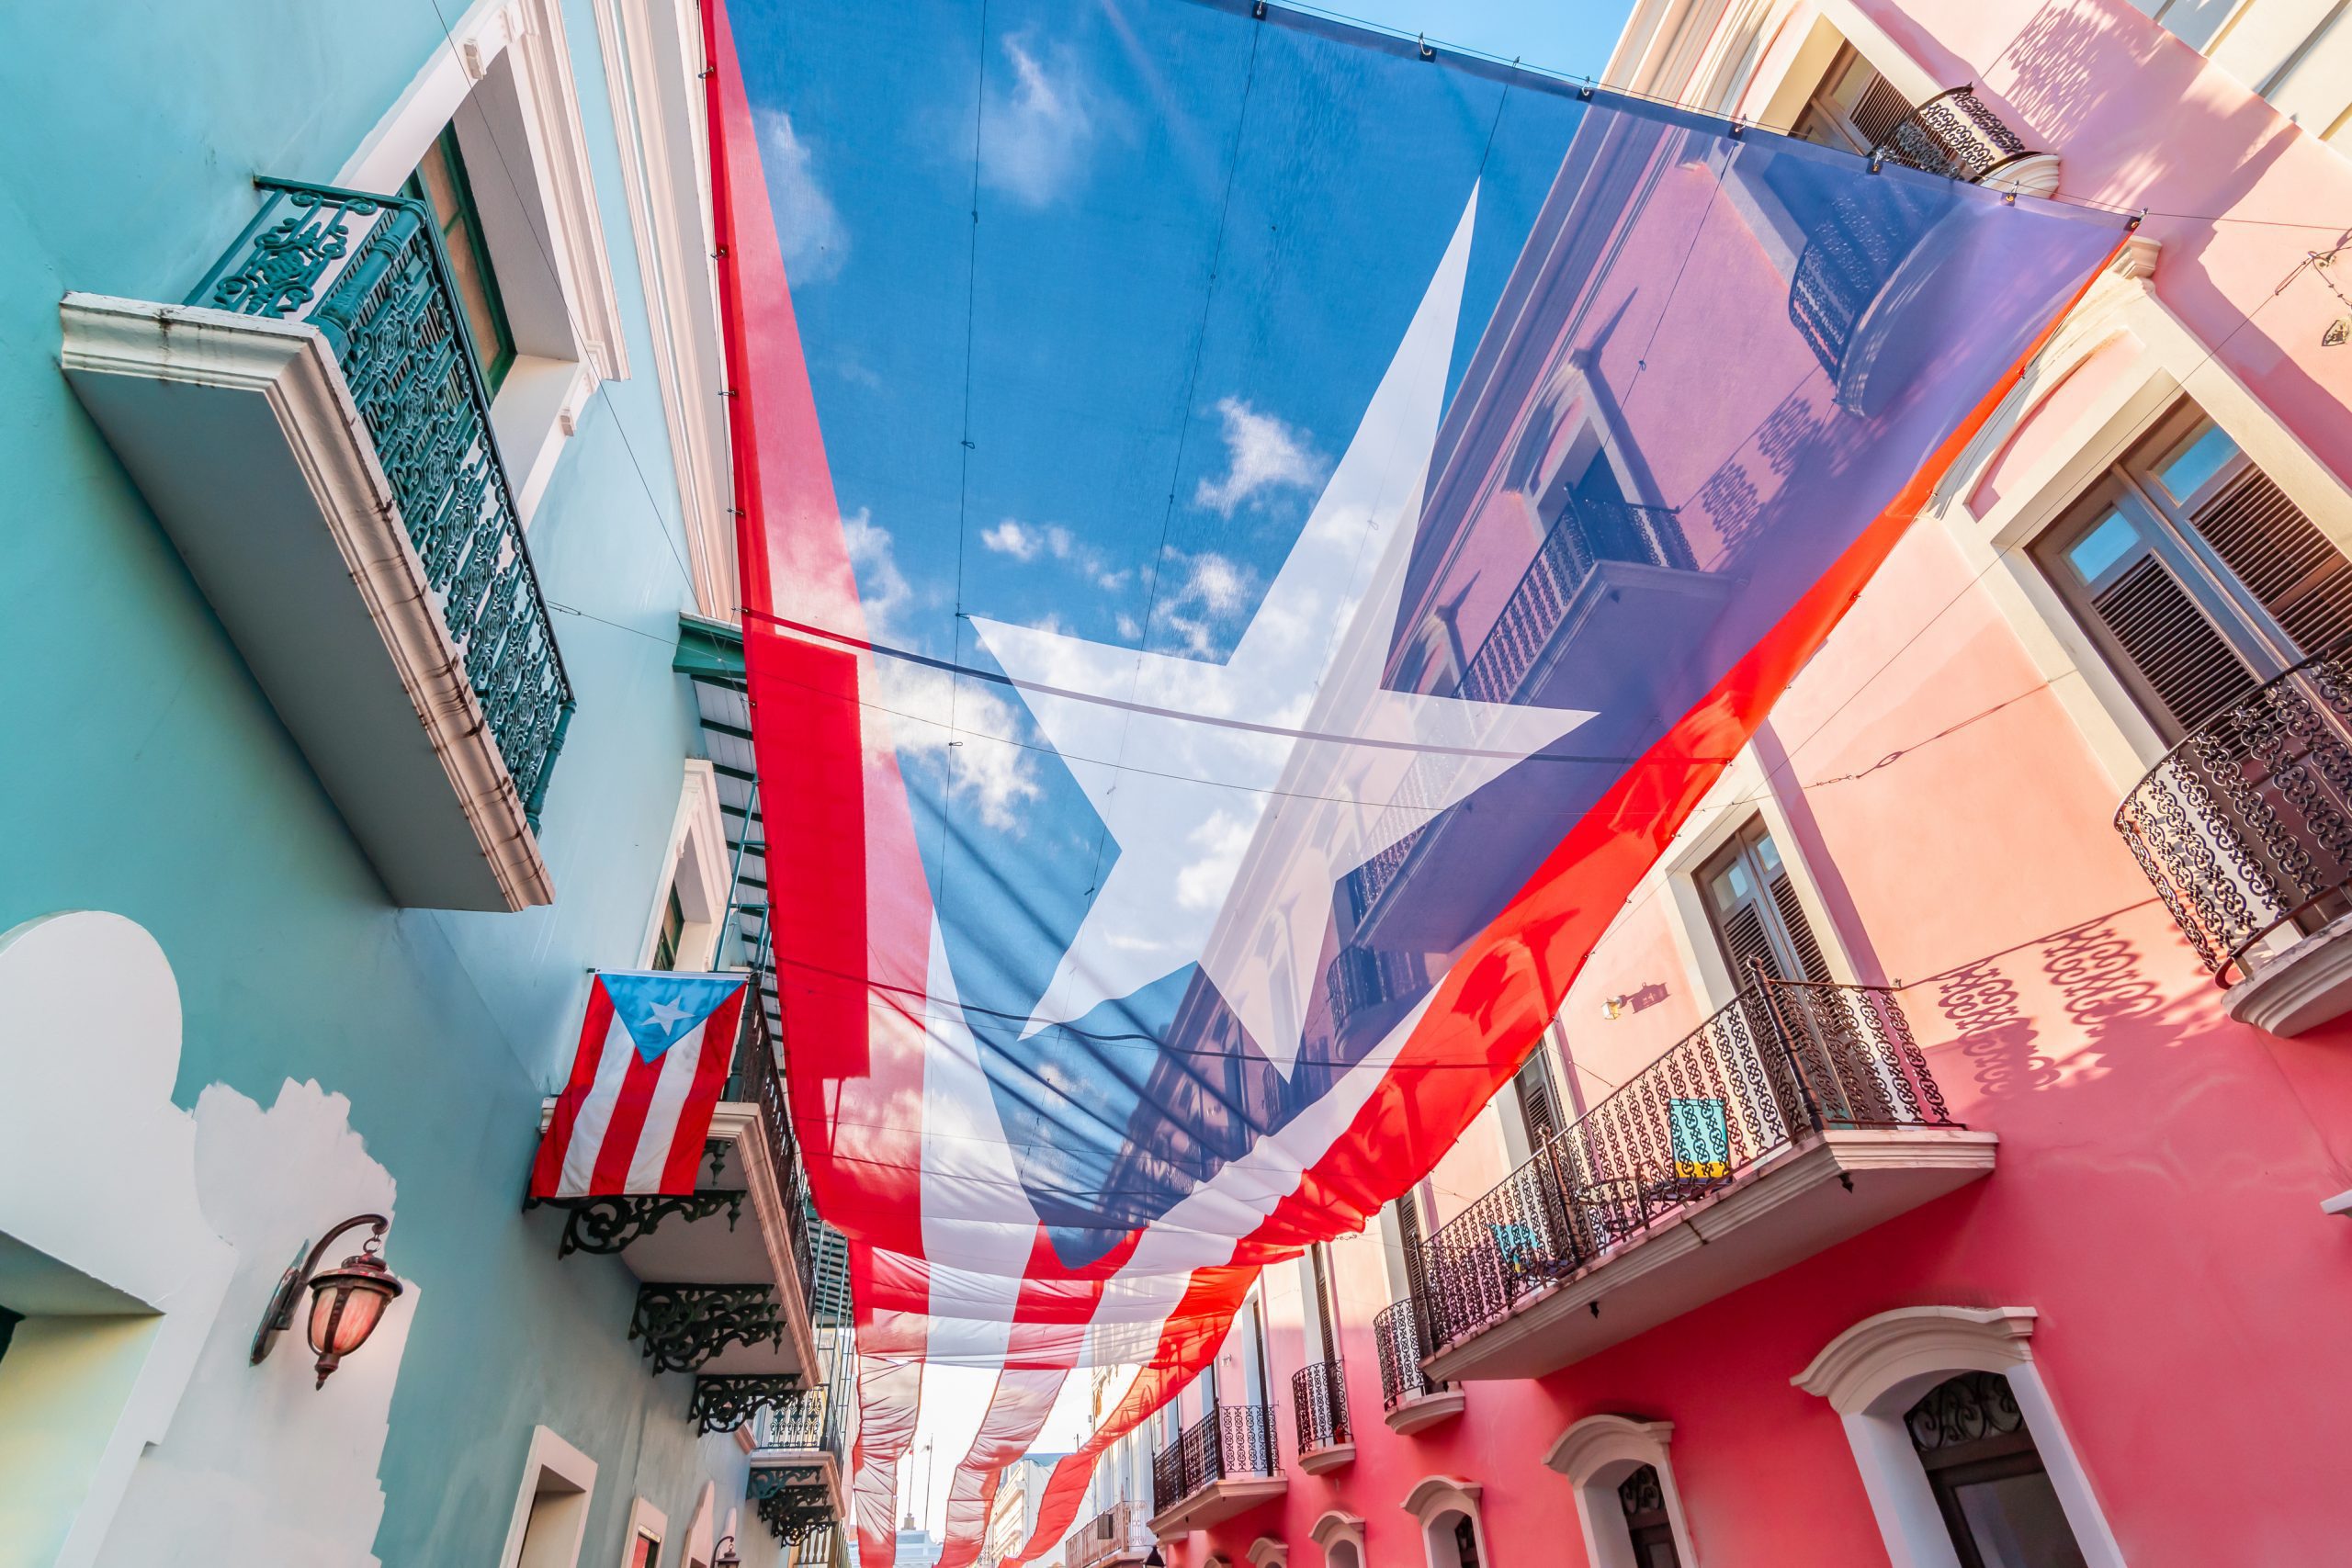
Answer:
(652, 1061)
(1254, 539)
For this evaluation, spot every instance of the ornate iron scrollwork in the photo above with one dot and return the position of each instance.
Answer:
(792, 1501)
(723, 1404)
(682, 1327)
(604, 1226)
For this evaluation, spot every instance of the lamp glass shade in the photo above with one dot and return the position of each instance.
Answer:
(346, 1303)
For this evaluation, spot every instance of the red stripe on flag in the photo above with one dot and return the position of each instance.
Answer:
(618, 1151)
(719, 1032)
(546, 1170)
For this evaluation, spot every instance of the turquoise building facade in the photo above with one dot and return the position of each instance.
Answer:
(291, 930)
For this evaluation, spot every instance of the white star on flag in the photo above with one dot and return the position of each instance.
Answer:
(1309, 666)
(666, 1015)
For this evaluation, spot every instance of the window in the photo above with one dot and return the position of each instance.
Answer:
(674, 926)
(1643, 1499)
(441, 183)
(2195, 574)
(1318, 1259)
(1756, 913)
(1408, 1210)
(1539, 1104)
(1989, 1482)
(1854, 108)
(551, 1509)
(645, 1551)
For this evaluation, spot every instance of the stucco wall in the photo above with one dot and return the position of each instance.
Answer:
(146, 774)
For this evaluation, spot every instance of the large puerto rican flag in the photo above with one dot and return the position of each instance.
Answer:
(636, 1112)
(1253, 537)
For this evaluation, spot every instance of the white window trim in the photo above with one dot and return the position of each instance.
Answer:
(1876, 1370)
(653, 59)
(556, 160)
(2173, 363)
(1434, 1496)
(549, 1454)
(697, 862)
(1267, 1552)
(1712, 826)
(645, 1519)
(1334, 1528)
(699, 1544)
(1597, 1454)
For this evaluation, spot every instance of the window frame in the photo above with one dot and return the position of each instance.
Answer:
(468, 220)
(549, 1454)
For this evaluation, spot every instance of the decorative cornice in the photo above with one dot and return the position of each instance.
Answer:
(1876, 1354)
(1432, 1492)
(1596, 1439)
(1267, 1552)
(1337, 1525)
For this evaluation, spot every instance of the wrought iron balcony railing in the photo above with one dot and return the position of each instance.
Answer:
(1782, 1062)
(1954, 134)
(1398, 1342)
(1230, 1440)
(808, 1421)
(1100, 1538)
(368, 272)
(1318, 1403)
(2245, 827)
(1586, 534)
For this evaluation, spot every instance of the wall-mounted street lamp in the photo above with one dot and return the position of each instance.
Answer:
(723, 1554)
(347, 1302)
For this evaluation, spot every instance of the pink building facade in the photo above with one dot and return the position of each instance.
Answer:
(2065, 1285)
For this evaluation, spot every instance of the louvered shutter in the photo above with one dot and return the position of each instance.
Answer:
(2178, 652)
(1407, 1211)
(1879, 110)
(1538, 1110)
(1317, 1253)
(2281, 557)
(1798, 930)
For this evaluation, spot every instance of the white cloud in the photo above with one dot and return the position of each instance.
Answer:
(965, 732)
(1211, 589)
(1024, 542)
(816, 242)
(1034, 140)
(1222, 840)
(1263, 455)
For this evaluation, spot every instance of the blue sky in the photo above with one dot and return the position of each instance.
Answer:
(1570, 36)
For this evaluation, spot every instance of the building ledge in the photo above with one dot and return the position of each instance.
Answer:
(1330, 1457)
(1217, 1502)
(1824, 1189)
(2301, 986)
(1428, 1410)
(241, 433)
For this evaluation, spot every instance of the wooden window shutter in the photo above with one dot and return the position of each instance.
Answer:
(1798, 928)
(1407, 1211)
(2281, 557)
(2184, 658)
(1538, 1108)
(1320, 1255)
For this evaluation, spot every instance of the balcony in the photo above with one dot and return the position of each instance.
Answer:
(1607, 574)
(1224, 1464)
(311, 431)
(799, 1454)
(1796, 1118)
(1957, 135)
(2245, 829)
(1318, 1403)
(1109, 1540)
(738, 1278)
(1409, 1399)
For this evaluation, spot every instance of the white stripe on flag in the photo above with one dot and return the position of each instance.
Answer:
(596, 1108)
(679, 1064)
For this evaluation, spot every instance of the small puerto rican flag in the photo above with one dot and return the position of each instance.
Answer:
(652, 1060)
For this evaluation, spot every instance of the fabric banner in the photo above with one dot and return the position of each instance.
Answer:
(654, 1055)
(1253, 540)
